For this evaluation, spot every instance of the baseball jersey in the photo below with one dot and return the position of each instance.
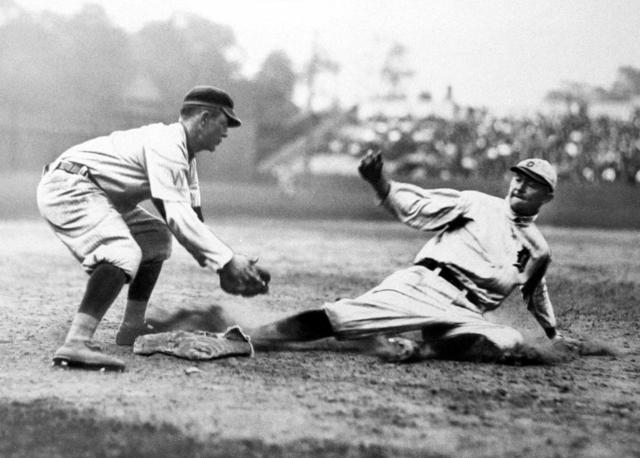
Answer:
(152, 161)
(489, 248)
(134, 165)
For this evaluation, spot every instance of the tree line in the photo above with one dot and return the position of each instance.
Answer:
(84, 65)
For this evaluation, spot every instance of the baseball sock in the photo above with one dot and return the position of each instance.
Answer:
(103, 287)
(134, 313)
(302, 327)
(82, 328)
(139, 293)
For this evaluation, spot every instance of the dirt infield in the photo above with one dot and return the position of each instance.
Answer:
(329, 401)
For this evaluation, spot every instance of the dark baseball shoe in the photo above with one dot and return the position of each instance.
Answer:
(126, 335)
(85, 355)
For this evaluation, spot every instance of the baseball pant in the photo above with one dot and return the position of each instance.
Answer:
(84, 219)
(412, 299)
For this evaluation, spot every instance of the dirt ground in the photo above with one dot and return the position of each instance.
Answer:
(328, 401)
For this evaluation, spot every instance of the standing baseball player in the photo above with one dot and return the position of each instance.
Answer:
(485, 248)
(90, 197)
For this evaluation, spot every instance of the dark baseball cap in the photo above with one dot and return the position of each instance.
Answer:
(538, 170)
(209, 96)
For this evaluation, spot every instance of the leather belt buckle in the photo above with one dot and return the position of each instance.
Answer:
(83, 170)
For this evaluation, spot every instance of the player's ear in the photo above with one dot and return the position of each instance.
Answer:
(204, 117)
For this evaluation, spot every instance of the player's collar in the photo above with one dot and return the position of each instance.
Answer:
(518, 220)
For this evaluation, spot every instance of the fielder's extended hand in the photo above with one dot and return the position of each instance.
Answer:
(241, 276)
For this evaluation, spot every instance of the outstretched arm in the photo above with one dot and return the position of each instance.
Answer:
(238, 273)
(539, 305)
(422, 209)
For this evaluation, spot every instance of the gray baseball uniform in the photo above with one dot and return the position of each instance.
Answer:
(96, 215)
(482, 252)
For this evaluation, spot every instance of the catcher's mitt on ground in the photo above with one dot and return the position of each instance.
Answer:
(197, 345)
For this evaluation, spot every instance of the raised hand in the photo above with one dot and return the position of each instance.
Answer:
(370, 167)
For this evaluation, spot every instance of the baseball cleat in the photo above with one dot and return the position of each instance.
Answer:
(84, 355)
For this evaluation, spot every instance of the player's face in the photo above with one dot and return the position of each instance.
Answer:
(214, 129)
(526, 196)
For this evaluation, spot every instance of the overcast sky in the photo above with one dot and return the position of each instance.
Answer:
(495, 53)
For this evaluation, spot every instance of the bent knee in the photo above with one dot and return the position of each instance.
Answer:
(125, 254)
(155, 244)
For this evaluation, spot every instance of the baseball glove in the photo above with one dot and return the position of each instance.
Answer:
(242, 276)
(197, 345)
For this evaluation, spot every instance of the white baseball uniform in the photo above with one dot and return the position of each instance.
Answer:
(98, 218)
(487, 249)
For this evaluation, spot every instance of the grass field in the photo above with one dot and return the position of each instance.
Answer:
(329, 400)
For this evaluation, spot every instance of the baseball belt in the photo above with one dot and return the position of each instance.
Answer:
(447, 274)
(71, 167)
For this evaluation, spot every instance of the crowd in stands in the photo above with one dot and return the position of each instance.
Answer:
(478, 144)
